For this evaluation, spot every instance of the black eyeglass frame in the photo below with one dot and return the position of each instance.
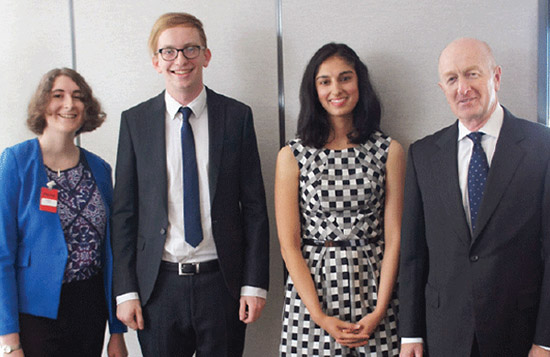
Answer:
(182, 50)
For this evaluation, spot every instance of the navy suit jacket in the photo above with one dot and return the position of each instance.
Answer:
(494, 283)
(238, 209)
(33, 250)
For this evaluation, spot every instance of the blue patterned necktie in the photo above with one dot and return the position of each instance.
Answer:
(477, 175)
(191, 198)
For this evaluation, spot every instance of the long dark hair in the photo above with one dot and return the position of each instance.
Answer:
(313, 123)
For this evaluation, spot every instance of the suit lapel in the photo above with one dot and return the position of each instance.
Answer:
(445, 174)
(153, 126)
(102, 180)
(508, 155)
(216, 128)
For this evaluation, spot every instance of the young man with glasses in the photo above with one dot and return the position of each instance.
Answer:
(190, 230)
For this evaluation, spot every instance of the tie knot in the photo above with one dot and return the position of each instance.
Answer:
(476, 137)
(185, 112)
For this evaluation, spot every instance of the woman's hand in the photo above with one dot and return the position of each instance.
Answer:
(344, 333)
(367, 325)
(12, 339)
(116, 346)
(18, 353)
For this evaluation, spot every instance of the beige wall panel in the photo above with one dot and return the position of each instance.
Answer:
(400, 42)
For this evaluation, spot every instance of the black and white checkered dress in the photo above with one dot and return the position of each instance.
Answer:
(341, 199)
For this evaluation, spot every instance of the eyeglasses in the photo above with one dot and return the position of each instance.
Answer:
(190, 52)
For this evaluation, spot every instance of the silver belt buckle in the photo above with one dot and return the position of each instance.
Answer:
(182, 273)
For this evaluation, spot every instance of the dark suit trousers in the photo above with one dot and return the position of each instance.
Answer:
(79, 329)
(475, 348)
(188, 314)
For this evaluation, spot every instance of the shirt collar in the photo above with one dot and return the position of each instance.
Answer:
(197, 105)
(491, 128)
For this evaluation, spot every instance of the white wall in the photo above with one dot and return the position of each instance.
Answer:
(398, 40)
(34, 38)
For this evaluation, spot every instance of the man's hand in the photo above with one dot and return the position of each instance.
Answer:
(537, 351)
(251, 308)
(116, 346)
(129, 313)
(412, 350)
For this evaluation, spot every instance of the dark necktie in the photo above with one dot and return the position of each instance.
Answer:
(191, 198)
(477, 175)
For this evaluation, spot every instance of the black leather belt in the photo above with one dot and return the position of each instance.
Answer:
(191, 268)
(335, 243)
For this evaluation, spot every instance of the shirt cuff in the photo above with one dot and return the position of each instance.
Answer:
(544, 347)
(252, 291)
(126, 297)
(411, 340)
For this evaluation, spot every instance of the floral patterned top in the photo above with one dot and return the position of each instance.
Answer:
(83, 219)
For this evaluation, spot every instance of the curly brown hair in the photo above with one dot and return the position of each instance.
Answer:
(36, 119)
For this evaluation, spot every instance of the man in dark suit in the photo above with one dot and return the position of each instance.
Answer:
(190, 230)
(475, 261)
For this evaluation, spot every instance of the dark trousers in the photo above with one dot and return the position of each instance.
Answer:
(475, 348)
(188, 314)
(79, 329)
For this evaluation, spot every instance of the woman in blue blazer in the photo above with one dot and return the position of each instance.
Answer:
(55, 250)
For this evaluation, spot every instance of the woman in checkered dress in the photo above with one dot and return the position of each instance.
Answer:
(338, 201)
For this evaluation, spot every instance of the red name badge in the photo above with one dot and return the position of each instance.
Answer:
(48, 200)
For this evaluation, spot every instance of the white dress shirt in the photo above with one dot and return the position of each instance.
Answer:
(176, 249)
(491, 129)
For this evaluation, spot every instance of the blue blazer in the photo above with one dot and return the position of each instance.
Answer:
(33, 251)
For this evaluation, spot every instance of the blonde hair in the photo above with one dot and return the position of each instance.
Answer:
(174, 19)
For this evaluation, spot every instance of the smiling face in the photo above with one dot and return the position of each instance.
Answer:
(183, 77)
(337, 89)
(65, 110)
(470, 81)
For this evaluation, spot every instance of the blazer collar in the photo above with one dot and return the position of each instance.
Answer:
(216, 130)
(445, 171)
(508, 155)
(152, 124)
(39, 167)
(102, 176)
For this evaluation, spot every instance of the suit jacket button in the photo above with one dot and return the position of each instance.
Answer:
(474, 258)
(162, 231)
